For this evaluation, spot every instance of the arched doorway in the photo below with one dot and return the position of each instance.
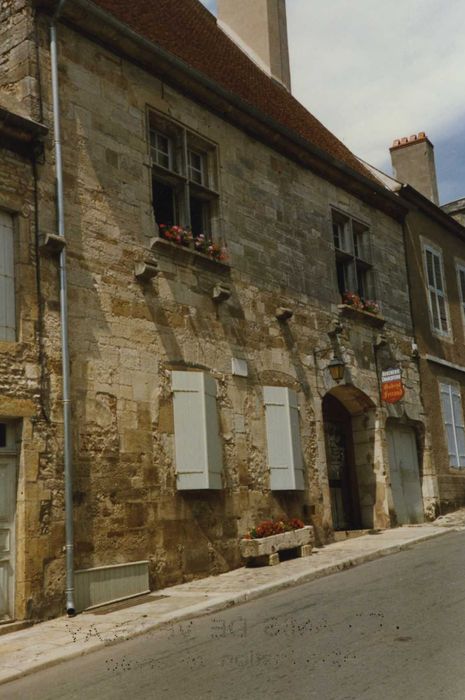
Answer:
(348, 418)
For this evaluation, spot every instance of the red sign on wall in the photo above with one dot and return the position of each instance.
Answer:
(392, 388)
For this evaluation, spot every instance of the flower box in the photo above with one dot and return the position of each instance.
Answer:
(356, 313)
(267, 548)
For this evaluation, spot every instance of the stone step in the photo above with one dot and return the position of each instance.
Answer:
(14, 626)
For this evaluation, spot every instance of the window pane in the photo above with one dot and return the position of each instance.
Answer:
(164, 203)
(341, 278)
(434, 310)
(430, 268)
(198, 210)
(362, 288)
(2, 434)
(196, 167)
(462, 282)
(442, 314)
(160, 149)
(337, 237)
(438, 273)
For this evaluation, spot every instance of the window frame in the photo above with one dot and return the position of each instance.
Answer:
(434, 250)
(451, 388)
(362, 272)
(180, 178)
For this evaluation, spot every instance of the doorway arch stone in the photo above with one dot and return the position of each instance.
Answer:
(349, 420)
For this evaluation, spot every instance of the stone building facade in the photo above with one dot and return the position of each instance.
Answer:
(174, 353)
(435, 248)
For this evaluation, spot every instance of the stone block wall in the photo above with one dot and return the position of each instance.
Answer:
(127, 337)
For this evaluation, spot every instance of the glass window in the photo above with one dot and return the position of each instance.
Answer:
(352, 248)
(436, 290)
(183, 179)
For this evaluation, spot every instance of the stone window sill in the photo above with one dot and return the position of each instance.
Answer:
(360, 315)
(173, 250)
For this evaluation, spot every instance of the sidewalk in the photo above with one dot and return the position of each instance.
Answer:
(49, 643)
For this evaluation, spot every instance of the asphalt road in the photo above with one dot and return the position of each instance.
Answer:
(392, 629)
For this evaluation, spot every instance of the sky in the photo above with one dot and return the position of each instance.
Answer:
(376, 70)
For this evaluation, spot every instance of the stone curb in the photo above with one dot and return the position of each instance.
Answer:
(223, 602)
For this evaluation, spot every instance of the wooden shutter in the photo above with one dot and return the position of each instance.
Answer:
(283, 439)
(7, 279)
(453, 419)
(461, 276)
(199, 455)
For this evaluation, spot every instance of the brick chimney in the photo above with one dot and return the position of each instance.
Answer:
(413, 162)
(259, 27)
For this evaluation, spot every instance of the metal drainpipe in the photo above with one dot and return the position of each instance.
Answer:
(68, 455)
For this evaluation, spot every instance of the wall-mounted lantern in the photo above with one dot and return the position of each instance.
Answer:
(336, 369)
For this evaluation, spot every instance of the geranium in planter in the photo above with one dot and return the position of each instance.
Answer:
(371, 306)
(356, 302)
(176, 234)
(205, 245)
(263, 542)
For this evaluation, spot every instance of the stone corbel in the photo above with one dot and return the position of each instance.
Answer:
(145, 271)
(51, 243)
(221, 292)
(283, 314)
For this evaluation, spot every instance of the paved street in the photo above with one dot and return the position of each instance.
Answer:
(392, 629)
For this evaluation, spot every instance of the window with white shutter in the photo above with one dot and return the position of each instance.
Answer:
(7, 279)
(199, 454)
(436, 290)
(461, 283)
(285, 458)
(451, 402)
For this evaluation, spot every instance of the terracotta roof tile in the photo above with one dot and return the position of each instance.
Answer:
(187, 30)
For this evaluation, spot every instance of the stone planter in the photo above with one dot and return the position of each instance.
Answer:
(264, 550)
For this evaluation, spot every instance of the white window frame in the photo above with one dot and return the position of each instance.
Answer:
(430, 289)
(455, 438)
(7, 278)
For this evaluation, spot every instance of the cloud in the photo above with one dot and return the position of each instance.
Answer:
(375, 70)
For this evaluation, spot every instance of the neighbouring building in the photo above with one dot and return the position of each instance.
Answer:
(23, 439)
(201, 393)
(456, 210)
(435, 251)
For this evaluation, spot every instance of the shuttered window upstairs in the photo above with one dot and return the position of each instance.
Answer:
(7, 279)
(437, 299)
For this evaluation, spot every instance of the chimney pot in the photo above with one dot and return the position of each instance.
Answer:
(415, 166)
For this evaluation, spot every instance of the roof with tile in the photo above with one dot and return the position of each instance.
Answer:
(188, 30)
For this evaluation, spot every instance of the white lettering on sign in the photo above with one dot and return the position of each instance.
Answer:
(391, 375)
